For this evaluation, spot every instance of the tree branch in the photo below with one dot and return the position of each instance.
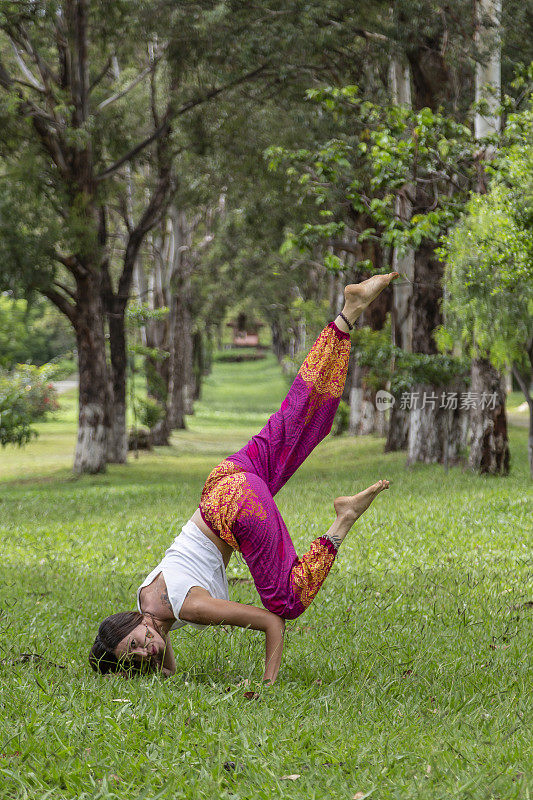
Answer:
(41, 121)
(45, 71)
(340, 22)
(153, 94)
(72, 264)
(101, 74)
(26, 70)
(128, 88)
(345, 246)
(134, 151)
(380, 37)
(61, 302)
(169, 115)
(72, 294)
(523, 385)
(52, 144)
(148, 220)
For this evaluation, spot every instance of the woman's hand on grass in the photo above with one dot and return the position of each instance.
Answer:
(200, 607)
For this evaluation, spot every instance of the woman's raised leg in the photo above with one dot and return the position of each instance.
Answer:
(304, 419)
(306, 415)
(288, 584)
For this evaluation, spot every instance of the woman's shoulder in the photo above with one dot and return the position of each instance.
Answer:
(153, 598)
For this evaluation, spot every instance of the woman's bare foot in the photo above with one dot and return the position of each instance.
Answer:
(351, 508)
(358, 296)
(348, 509)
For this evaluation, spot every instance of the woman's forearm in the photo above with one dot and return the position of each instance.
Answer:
(201, 608)
(274, 648)
(169, 660)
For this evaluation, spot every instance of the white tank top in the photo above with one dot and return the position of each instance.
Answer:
(191, 560)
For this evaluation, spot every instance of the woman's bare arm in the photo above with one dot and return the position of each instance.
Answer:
(200, 607)
(168, 666)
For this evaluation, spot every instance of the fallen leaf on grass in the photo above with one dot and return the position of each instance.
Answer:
(34, 658)
(251, 695)
(290, 777)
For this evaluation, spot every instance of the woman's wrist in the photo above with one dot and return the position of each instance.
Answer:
(274, 648)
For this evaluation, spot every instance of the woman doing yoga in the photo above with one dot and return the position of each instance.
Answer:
(237, 512)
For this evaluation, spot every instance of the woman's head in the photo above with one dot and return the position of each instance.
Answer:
(127, 641)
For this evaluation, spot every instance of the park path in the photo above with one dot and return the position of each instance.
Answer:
(64, 386)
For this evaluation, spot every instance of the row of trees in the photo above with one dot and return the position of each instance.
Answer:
(151, 182)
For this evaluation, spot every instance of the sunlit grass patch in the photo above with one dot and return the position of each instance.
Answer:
(409, 677)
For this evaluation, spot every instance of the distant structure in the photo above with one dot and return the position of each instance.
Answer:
(245, 331)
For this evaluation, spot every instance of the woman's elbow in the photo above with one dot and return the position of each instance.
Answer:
(192, 611)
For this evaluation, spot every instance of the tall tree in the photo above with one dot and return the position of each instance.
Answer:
(490, 275)
(489, 446)
(66, 113)
(81, 130)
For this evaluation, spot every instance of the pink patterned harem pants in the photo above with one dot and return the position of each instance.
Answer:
(237, 500)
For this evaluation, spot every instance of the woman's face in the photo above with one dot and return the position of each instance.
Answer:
(143, 646)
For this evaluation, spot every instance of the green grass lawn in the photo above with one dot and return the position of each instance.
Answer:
(410, 676)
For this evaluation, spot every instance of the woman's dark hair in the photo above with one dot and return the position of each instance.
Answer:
(112, 630)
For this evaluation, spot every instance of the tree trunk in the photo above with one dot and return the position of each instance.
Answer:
(431, 425)
(176, 385)
(436, 434)
(280, 339)
(402, 289)
(156, 372)
(530, 440)
(417, 297)
(300, 336)
(181, 375)
(209, 350)
(488, 71)
(398, 432)
(427, 295)
(364, 417)
(356, 400)
(402, 318)
(189, 387)
(198, 363)
(525, 385)
(161, 432)
(117, 443)
(489, 445)
(94, 390)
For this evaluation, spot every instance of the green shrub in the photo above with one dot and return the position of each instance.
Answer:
(26, 396)
(150, 411)
(64, 367)
(342, 419)
(236, 355)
